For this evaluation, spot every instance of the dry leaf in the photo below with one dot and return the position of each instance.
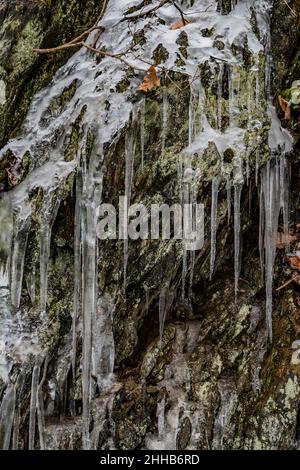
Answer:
(179, 24)
(285, 108)
(150, 81)
(294, 262)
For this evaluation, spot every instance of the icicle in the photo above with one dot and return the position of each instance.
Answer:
(103, 345)
(214, 223)
(91, 198)
(129, 161)
(228, 189)
(44, 260)
(30, 282)
(48, 216)
(19, 388)
(15, 439)
(270, 201)
(185, 200)
(33, 406)
(40, 407)
(188, 199)
(88, 303)
(161, 418)
(284, 184)
(7, 413)
(192, 254)
(237, 235)
(268, 65)
(164, 118)
(17, 259)
(261, 242)
(77, 269)
(143, 111)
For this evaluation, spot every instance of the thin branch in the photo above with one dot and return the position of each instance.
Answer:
(102, 11)
(145, 13)
(58, 48)
(73, 43)
(287, 283)
(184, 21)
(77, 40)
(114, 56)
(290, 8)
(86, 33)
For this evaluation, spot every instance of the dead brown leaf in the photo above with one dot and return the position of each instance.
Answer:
(284, 105)
(294, 262)
(179, 24)
(150, 81)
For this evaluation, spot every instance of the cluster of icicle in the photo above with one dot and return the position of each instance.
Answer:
(272, 179)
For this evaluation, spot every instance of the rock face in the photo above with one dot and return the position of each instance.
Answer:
(26, 24)
(143, 344)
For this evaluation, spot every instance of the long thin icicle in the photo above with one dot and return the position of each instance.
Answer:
(271, 203)
(228, 190)
(284, 185)
(129, 162)
(40, 407)
(214, 223)
(19, 387)
(161, 418)
(77, 269)
(33, 405)
(7, 413)
(48, 216)
(91, 198)
(20, 237)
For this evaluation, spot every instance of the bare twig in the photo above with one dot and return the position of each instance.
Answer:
(102, 12)
(77, 40)
(115, 56)
(287, 283)
(184, 21)
(73, 43)
(58, 48)
(86, 33)
(145, 13)
(290, 8)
